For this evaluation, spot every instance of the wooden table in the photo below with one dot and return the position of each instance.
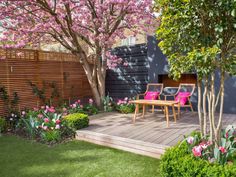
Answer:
(162, 103)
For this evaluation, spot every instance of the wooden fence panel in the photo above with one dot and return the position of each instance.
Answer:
(20, 67)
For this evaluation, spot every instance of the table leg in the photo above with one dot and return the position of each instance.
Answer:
(173, 109)
(135, 112)
(167, 116)
(144, 110)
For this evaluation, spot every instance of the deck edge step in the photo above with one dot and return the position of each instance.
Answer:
(126, 144)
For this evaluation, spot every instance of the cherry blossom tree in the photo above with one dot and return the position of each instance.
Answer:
(75, 24)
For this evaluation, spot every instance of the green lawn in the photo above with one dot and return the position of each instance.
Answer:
(22, 158)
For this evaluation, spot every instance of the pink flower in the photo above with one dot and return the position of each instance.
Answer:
(197, 151)
(40, 116)
(90, 101)
(52, 110)
(47, 107)
(57, 126)
(64, 109)
(23, 113)
(45, 127)
(42, 107)
(222, 149)
(58, 121)
(190, 140)
(227, 135)
(46, 120)
(126, 98)
(81, 106)
(74, 105)
(78, 101)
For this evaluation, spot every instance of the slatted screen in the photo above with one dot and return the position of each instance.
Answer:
(21, 66)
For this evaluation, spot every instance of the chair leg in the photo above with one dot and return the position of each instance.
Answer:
(178, 111)
(152, 108)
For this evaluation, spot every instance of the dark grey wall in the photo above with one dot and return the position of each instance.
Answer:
(127, 81)
(146, 62)
(158, 65)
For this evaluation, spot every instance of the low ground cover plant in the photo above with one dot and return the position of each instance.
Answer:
(197, 156)
(2, 125)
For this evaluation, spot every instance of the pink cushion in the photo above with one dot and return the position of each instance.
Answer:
(182, 97)
(151, 95)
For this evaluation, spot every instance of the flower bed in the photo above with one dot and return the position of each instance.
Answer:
(200, 157)
(124, 106)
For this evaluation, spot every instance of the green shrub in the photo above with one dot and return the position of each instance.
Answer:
(2, 124)
(77, 121)
(178, 162)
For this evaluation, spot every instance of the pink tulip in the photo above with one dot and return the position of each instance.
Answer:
(58, 121)
(78, 101)
(45, 127)
(52, 110)
(46, 120)
(222, 149)
(57, 126)
(90, 101)
(197, 151)
(40, 116)
(64, 109)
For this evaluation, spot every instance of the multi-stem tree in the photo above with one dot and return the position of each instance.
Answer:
(73, 24)
(200, 36)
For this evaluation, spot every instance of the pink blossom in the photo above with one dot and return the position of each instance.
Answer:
(45, 127)
(197, 151)
(40, 116)
(52, 110)
(81, 106)
(42, 107)
(46, 120)
(64, 109)
(58, 121)
(226, 135)
(23, 113)
(78, 101)
(90, 101)
(57, 126)
(222, 149)
(190, 140)
(74, 105)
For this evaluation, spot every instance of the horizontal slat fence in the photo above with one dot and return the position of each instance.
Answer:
(21, 66)
(128, 81)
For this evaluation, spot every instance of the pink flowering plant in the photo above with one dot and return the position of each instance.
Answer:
(78, 107)
(44, 122)
(205, 149)
(124, 106)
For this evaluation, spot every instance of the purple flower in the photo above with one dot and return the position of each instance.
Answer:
(190, 140)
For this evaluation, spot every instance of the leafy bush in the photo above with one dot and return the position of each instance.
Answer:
(51, 136)
(197, 157)
(177, 161)
(77, 121)
(2, 124)
(124, 106)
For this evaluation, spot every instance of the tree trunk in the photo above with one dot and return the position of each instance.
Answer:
(96, 80)
(205, 107)
(199, 106)
(219, 125)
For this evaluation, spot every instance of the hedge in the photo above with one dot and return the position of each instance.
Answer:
(77, 121)
(178, 162)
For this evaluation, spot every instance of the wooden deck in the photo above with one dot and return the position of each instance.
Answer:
(148, 136)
